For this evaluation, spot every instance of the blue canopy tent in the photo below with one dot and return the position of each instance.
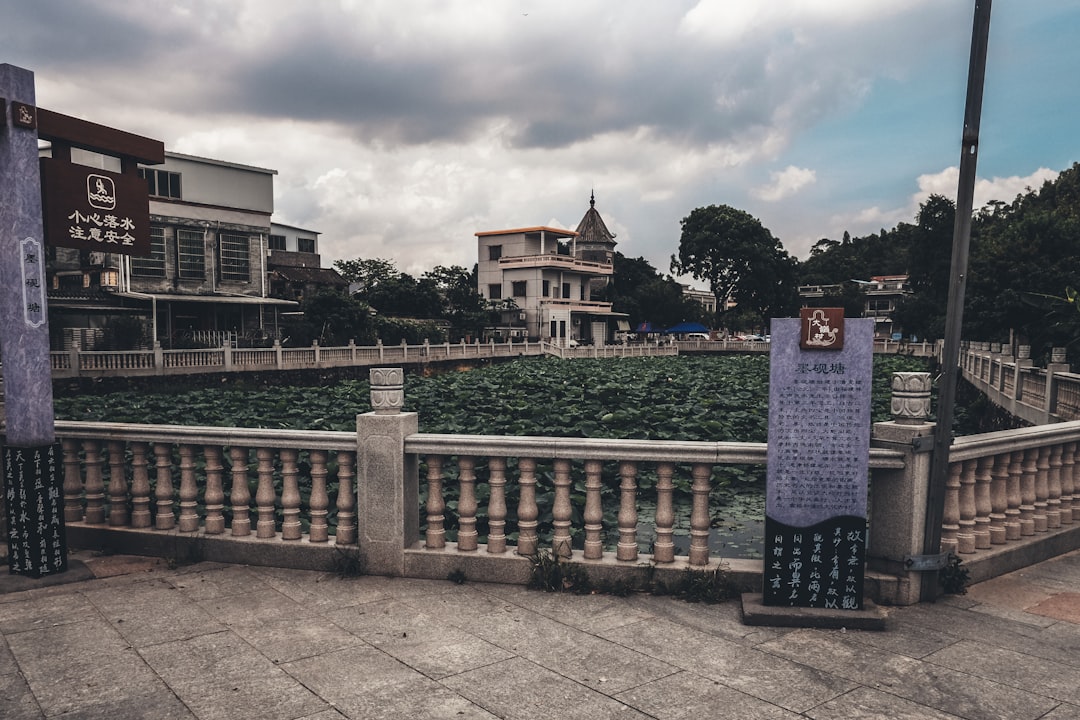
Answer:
(687, 327)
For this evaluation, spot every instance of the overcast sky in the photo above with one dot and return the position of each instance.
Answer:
(400, 128)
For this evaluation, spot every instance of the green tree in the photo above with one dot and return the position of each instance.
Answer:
(740, 259)
(333, 318)
(366, 273)
(639, 290)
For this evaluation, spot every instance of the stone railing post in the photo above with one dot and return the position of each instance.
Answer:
(388, 499)
(898, 502)
(316, 351)
(352, 351)
(73, 354)
(159, 358)
(1058, 364)
(227, 354)
(277, 354)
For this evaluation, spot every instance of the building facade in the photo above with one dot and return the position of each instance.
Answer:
(544, 286)
(207, 277)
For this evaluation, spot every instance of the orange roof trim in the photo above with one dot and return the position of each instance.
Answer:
(538, 228)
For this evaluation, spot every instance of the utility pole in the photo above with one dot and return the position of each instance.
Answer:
(950, 357)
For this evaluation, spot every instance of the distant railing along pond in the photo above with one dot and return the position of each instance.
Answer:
(76, 362)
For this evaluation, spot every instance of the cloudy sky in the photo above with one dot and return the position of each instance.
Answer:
(400, 128)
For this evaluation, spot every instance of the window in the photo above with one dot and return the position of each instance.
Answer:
(190, 255)
(494, 292)
(582, 288)
(547, 288)
(494, 252)
(305, 245)
(277, 242)
(161, 183)
(152, 265)
(566, 291)
(234, 258)
(518, 288)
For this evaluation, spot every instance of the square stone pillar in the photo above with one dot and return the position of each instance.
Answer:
(387, 481)
(898, 497)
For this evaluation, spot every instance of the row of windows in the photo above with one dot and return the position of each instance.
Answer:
(233, 251)
(161, 183)
(518, 288)
(305, 245)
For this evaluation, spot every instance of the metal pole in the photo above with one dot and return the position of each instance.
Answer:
(950, 357)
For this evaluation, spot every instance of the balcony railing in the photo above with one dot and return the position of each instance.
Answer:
(565, 262)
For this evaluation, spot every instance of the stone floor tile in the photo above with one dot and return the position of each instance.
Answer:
(1063, 606)
(686, 696)
(208, 581)
(581, 656)
(83, 666)
(923, 683)
(1011, 668)
(418, 640)
(325, 591)
(44, 611)
(591, 613)
(1063, 711)
(722, 620)
(298, 637)
(7, 660)
(151, 612)
(868, 704)
(330, 714)
(915, 642)
(363, 682)
(16, 700)
(220, 676)
(791, 685)
(517, 689)
(253, 608)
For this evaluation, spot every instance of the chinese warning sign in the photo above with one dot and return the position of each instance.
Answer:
(93, 209)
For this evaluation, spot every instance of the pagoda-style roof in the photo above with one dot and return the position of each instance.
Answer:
(592, 230)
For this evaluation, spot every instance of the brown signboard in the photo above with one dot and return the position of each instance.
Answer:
(93, 209)
(821, 328)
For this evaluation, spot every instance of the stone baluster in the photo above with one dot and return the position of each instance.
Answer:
(95, 483)
(164, 519)
(73, 488)
(290, 495)
(983, 506)
(1053, 495)
(319, 503)
(594, 511)
(1013, 496)
(561, 511)
(435, 537)
(497, 505)
(189, 490)
(1027, 491)
(118, 487)
(627, 549)
(265, 495)
(528, 513)
(699, 515)
(1042, 489)
(214, 523)
(999, 480)
(240, 492)
(467, 535)
(140, 486)
(1068, 484)
(950, 517)
(965, 536)
(664, 545)
(346, 499)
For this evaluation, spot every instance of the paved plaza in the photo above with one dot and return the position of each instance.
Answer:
(125, 637)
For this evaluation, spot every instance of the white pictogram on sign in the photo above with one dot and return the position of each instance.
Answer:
(820, 334)
(101, 192)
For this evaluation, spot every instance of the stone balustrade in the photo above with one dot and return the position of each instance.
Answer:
(307, 499)
(1010, 380)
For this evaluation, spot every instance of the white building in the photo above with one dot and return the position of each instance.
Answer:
(546, 287)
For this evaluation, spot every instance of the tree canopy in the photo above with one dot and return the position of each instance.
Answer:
(740, 259)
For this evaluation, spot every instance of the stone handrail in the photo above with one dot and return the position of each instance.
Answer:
(1010, 380)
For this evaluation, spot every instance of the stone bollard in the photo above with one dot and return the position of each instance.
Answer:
(388, 499)
(910, 402)
(898, 501)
